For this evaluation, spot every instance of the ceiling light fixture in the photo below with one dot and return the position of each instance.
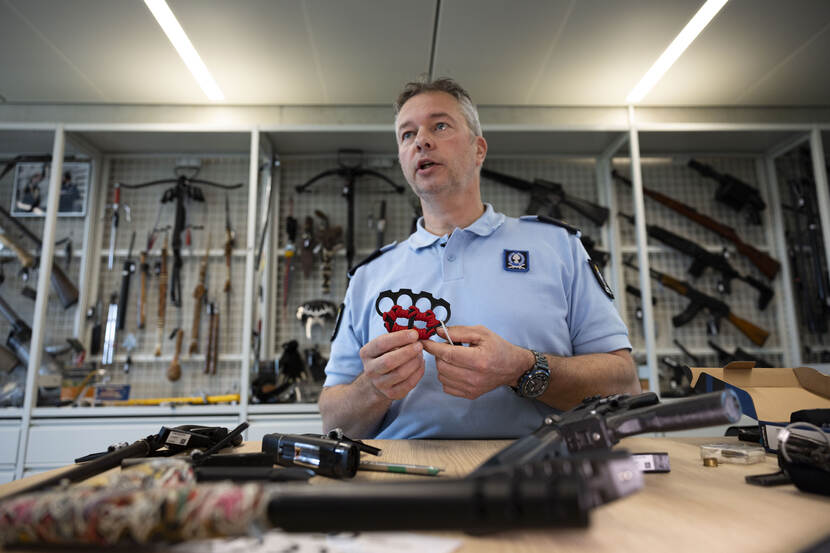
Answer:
(682, 41)
(171, 27)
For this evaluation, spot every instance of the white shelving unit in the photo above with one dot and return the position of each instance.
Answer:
(589, 143)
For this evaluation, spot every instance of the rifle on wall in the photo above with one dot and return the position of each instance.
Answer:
(66, 290)
(702, 259)
(805, 248)
(699, 301)
(766, 264)
(547, 196)
(733, 192)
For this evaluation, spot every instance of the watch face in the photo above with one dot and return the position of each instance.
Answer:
(535, 383)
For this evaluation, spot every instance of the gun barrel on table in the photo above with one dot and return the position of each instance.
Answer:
(66, 290)
(600, 423)
(766, 264)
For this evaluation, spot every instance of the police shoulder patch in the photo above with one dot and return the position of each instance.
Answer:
(550, 221)
(371, 257)
(600, 279)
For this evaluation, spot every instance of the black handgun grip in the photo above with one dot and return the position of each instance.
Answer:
(688, 314)
(325, 457)
(694, 412)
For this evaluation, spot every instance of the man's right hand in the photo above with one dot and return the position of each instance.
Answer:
(393, 363)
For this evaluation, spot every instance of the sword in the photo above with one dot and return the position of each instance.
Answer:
(109, 331)
(116, 204)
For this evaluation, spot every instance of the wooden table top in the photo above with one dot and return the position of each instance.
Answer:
(692, 508)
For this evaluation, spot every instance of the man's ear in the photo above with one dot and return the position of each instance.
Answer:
(481, 150)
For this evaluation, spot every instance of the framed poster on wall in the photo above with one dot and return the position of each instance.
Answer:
(31, 189)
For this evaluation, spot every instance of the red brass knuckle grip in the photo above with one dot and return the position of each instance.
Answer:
(412, 314)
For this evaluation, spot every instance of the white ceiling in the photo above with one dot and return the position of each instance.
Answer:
(506, 52)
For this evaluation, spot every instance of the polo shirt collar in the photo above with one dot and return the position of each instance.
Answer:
(485, 225)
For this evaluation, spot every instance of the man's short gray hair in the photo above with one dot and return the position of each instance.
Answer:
(444, 84)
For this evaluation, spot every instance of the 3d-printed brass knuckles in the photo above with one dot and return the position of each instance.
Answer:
(412, 313)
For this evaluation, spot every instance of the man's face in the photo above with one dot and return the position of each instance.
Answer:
(437, 151)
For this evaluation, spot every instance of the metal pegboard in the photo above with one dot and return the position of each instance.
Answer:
(742, 302)
(148, 375)
(148, 379)
(145, 203)
(672, 177)
(577, 177)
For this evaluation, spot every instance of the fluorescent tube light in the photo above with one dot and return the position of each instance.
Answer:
(682, 41)
(170, 25)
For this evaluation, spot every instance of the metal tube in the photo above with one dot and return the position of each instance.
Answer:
(41, 302)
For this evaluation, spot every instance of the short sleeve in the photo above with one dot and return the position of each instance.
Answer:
(595, 325)
(344, 361)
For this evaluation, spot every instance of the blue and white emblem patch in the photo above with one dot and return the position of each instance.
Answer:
(516, 260)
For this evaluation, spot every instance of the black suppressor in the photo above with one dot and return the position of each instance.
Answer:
(333, 458)
(556, 493)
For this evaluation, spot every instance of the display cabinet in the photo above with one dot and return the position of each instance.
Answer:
(260, 312)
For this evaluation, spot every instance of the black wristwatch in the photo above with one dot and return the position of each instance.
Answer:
(535, 380)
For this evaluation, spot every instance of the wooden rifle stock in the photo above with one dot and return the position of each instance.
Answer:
(699, 301)
(26, 260)
(66, 290)
(756, 334)
(162, 298)
(198, 295)
(766, 264)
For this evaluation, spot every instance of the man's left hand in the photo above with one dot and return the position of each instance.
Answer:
(490, 361)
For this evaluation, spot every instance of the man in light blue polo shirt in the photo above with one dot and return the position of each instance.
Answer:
(530, 330)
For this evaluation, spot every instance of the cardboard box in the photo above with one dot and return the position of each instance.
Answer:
(768, 395)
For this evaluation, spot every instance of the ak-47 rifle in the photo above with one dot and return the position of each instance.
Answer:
(547, 196)
(733, 192)
(162, 311)
(766, 264)
(703, 258)
(699, 301)
(199, 293)
(66, 290)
